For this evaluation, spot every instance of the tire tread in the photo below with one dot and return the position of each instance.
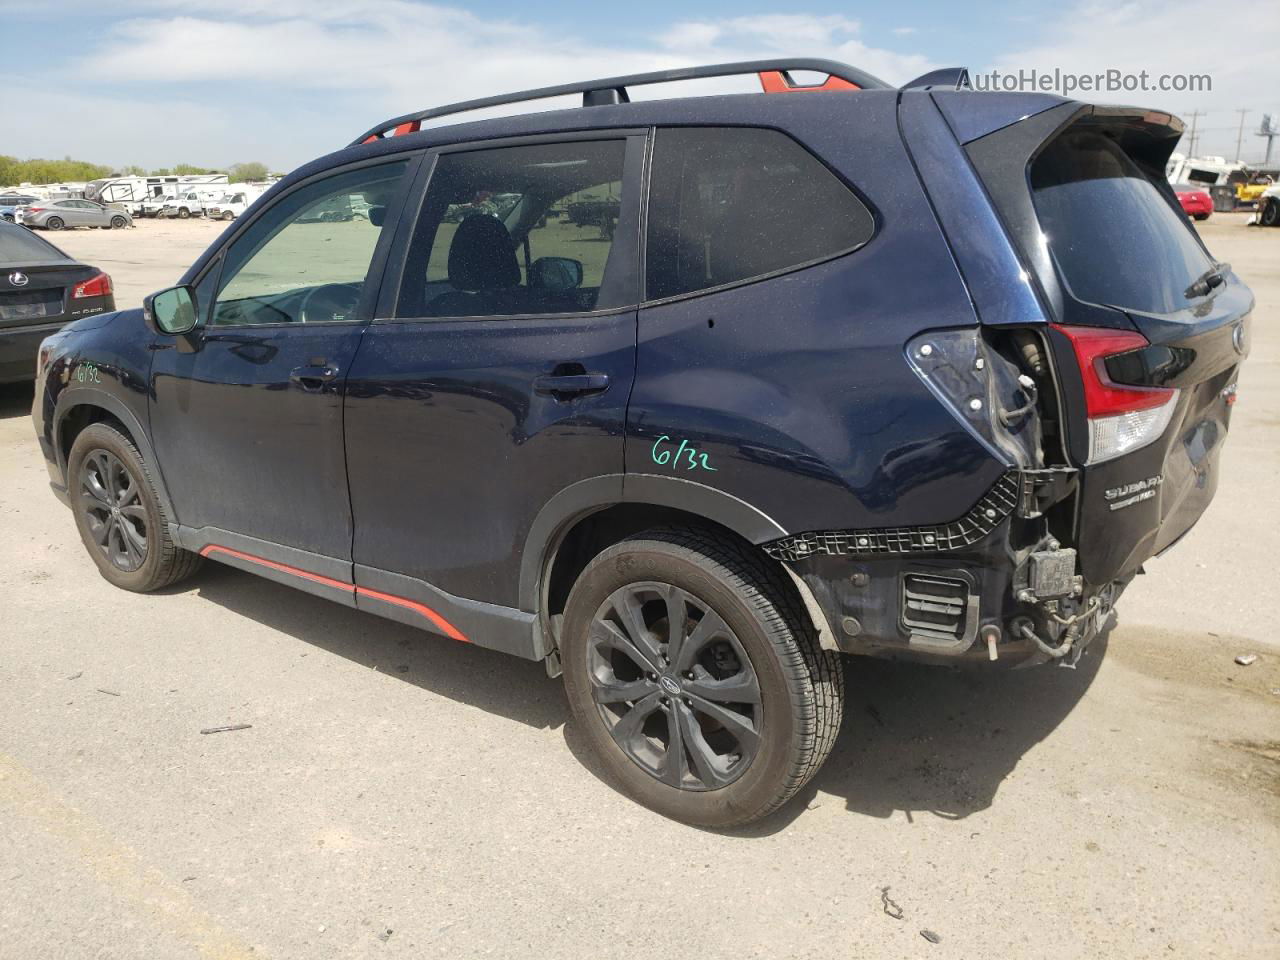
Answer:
(817, 673)
(176, 564)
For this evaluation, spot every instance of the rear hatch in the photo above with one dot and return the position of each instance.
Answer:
(1147, 329)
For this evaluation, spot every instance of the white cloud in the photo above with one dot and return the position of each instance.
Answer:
(903, 31)
(1168, 37)
(339, 66)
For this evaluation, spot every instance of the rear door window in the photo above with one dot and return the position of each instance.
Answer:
(1116, 239)
(736, 203)
(521, 231)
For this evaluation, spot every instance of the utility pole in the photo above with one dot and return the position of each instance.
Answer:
(1240, 133)
(1267, 128)
(1191, 137)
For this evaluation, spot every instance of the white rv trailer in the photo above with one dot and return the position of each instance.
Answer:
(132, 191)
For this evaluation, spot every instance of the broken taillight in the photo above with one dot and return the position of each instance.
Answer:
(1122, 417)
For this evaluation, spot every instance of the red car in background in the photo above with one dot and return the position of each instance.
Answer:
(1196, 203)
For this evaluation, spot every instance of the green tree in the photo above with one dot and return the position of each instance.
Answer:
(240, 172)
(184, 169)
(14, 171)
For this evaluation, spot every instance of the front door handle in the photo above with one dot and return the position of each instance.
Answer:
(568, 385)
(313, 376)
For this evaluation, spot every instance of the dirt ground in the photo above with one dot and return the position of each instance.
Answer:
(401, 795)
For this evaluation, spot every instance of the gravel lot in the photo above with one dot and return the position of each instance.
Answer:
(400, 795)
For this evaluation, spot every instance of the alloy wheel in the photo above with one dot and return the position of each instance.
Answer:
(674, 686)
(117, 518)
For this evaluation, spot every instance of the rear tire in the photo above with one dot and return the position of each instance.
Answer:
(119, 516)
(718, 723)
(1271, 213)
(54, 223)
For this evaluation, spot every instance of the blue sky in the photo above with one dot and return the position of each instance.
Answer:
(219, 81)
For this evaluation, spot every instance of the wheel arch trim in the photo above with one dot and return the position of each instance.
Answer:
(73, 397)
(594, 494)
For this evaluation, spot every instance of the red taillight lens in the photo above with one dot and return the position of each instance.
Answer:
(1103, 397)
(1121, 418)
(33, 210)
(95, 286)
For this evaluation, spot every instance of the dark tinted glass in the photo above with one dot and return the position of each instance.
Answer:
(729, 204)
(518, 231)
(1116, 239)
(18, 245)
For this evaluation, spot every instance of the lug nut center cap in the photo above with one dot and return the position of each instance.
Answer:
(670, 685)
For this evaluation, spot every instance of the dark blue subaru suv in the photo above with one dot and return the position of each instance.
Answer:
(684, 398)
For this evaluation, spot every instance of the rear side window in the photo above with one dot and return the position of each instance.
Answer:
(734, 203)
(1115, 238)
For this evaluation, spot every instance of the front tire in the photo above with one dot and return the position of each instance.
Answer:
(228, 215)
(118, 514)
(696, 679)
(118, 223)
(1271, 213)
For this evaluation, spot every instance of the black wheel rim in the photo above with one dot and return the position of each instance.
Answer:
(674, 686)
(112, 502)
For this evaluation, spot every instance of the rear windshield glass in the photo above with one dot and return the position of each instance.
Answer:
(1115, 238)
(19, 245)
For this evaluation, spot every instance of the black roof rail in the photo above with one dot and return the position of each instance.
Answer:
(775, 76)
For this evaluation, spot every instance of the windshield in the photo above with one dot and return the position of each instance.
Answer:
(1115, 238)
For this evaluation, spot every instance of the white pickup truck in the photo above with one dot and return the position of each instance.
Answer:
(191, 204)
(229, 207)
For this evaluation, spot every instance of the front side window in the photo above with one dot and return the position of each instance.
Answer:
(517, 231)
(305, 259)
(728, 204)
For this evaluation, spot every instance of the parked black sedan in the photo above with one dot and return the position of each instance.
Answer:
(41, 289)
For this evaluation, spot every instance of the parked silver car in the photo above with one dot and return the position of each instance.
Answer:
(57, 214)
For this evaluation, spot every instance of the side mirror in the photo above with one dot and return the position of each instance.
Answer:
(555, 274)
(171, 311)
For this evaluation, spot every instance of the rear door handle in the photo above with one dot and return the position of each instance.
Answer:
(313, 376)
(564, 386)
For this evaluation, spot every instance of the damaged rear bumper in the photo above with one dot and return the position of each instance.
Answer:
(991, 586)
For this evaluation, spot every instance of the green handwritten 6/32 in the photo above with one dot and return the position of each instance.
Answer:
(87, 373)
(666, 453)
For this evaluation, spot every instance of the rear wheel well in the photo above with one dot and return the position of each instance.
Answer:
(596, 532)
(81, 416)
